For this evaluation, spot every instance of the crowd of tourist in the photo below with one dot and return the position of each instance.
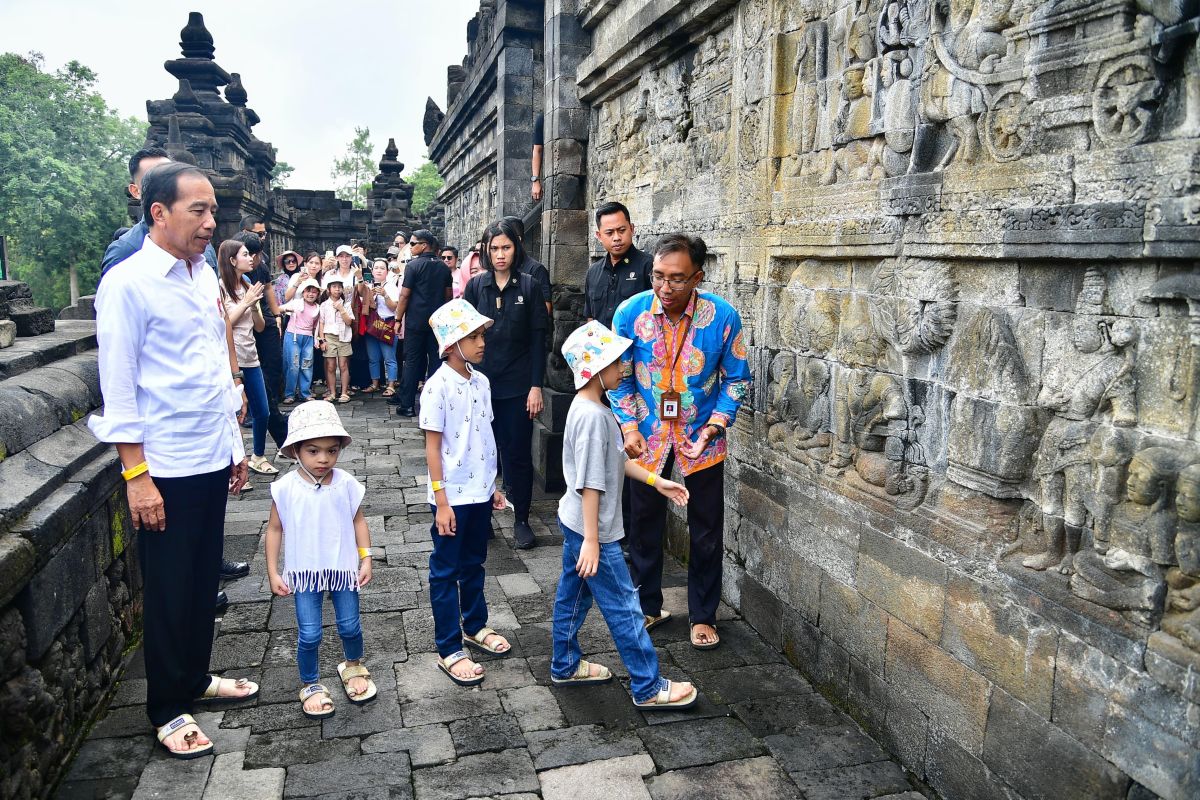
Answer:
(195, 344)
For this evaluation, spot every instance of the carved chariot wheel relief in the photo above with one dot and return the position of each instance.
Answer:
(1123, 103)
(1007, 128)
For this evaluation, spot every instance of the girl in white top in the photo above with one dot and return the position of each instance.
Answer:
(334, 336)
(239, 303)
(316, 513)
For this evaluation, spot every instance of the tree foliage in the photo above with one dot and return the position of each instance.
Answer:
(426, 184)
(63, 157)
(280, 174)
(354, 169)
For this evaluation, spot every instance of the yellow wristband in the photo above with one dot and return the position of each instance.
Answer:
(134, 471)
(437, 486)
(364, 552)
(651, 479)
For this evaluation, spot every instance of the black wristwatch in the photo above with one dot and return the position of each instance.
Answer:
(720, 431)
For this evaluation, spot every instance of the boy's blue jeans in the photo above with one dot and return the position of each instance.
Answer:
(456, 576)
(308, 618)
(614, 593)
(298, 364)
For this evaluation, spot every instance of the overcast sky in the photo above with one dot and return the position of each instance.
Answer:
(313, 69)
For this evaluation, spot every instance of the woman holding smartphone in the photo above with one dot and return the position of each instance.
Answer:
(382, 295)
(239, 302)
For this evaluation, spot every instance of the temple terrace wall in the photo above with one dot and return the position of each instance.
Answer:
(963, 238)
(69, 580)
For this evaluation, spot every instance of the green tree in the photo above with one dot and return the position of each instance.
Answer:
(280, 174)
(63, 156)
(354, 169)
(426, 184)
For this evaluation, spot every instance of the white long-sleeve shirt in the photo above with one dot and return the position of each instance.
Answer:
(164, 365)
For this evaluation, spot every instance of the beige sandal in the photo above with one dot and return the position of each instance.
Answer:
(479, 638)
(347, 672)
(182, 721)
(327, 708)
(212, 693)
(653, 622)
(662, 701)
(444, 664)
(583, 675)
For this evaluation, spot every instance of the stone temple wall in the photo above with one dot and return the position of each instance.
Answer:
(69, 578)
(963, 236)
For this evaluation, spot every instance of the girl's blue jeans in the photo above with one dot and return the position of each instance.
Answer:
(308, 618)
(385, 355)
(613, 591)
(256, 398)
(298, 363)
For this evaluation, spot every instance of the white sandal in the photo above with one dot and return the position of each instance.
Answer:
(662, 701)
(212, 693)
(583, 675)
(182, 721)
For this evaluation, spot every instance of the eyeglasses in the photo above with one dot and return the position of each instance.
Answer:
(674, 283)
(447, 258)
(287, 262)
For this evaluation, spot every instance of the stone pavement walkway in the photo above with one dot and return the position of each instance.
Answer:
(760, 731)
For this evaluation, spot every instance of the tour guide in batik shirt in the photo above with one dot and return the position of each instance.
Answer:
(689, 375)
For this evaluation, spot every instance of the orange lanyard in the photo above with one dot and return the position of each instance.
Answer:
(678, 340)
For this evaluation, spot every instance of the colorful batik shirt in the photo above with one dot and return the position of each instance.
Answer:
(711, 375)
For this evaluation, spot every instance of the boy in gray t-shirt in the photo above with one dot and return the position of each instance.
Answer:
(589, 515)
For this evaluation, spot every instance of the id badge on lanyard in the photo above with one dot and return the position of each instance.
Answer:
(669, 402)
(668, 406)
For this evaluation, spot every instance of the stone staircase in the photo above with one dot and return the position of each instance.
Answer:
(19, 316)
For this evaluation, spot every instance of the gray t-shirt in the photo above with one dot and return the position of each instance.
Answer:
(593, 458)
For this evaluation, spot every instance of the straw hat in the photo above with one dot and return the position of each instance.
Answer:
(590, 348)
(315, 419)
(454, 321)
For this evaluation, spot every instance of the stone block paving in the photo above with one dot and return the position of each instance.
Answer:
(761, 731)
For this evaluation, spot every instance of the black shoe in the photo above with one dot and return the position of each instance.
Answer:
(234, 569)
(405, 412)
(222, 602)
(394, 400)
(523, 534)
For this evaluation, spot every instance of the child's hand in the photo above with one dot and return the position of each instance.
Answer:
(498, 501)
(444, 519)
(676, 492)
(364, 571)
(589, 559)
(278, 586)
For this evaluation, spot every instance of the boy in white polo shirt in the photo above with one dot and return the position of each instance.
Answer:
(460, 450)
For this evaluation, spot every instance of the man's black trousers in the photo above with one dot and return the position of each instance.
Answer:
(706, 523)
(420, 361)
(180, 568)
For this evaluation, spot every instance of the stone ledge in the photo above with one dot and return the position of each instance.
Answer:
(69, 338)
(41, 400)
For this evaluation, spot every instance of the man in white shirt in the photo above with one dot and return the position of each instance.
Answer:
(170, 407)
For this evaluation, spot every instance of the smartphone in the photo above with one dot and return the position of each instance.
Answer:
(329, 254)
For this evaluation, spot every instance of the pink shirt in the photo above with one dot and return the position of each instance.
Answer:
(304, 316)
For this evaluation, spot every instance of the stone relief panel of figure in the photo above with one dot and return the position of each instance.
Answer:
(1182, 614)
(810, 97)
(1130, 575)
(1101, 386)
(798, 415)
(876, 444)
